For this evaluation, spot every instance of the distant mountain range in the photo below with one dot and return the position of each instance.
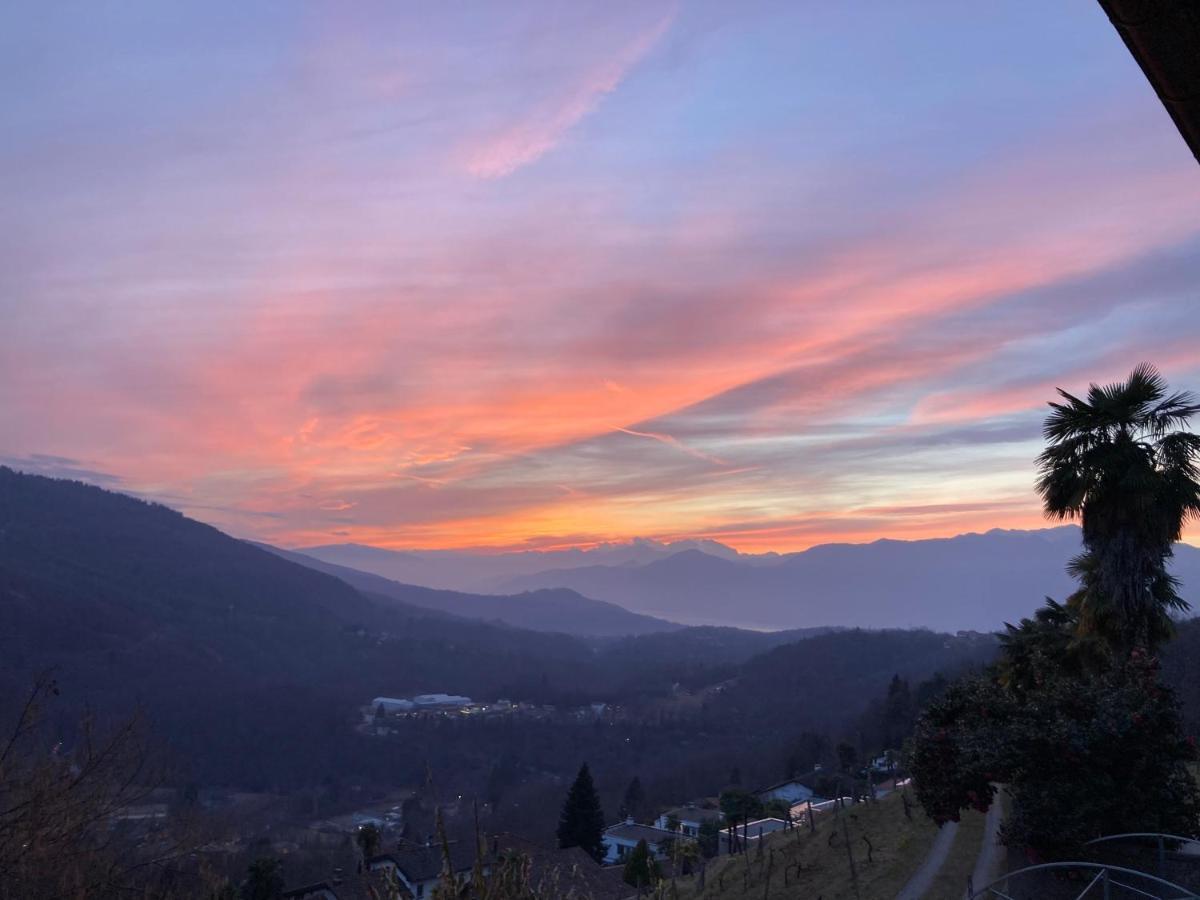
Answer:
(476, 572)
(969, 582)
(541, 609)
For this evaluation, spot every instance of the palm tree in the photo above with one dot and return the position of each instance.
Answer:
(1123, 462)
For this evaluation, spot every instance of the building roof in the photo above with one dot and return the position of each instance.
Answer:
(569, 872)
(1162, 36)
(441, 700)
(419, 862)
(765, 826)
(393, 701)
(807, 780)
(361, 886)
(633, 832)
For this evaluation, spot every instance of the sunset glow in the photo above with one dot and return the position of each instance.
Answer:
(527, 276)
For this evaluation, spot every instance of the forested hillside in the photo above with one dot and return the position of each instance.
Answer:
(253, 668)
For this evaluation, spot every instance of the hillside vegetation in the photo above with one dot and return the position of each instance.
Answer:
(798, 863)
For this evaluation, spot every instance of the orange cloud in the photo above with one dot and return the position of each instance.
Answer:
(378, 348)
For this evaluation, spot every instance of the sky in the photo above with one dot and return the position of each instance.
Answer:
(545, 274)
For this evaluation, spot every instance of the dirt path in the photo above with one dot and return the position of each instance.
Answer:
(922, 879)
(991, 853)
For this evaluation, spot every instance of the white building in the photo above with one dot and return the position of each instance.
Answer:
(392, 705)
(690, 818)
(791, 792)
(419, 868)
(619, 840)
(430, 700)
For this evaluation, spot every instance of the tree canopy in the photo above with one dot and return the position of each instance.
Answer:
(1122, 461)
(1073, 718)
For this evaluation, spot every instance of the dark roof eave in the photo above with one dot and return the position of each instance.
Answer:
(1163, 37)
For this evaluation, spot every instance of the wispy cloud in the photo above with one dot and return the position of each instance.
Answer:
(529, 139)
(805, 331)
(670, 441)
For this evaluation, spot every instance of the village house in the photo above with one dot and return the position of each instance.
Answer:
(562, 873)
(690, 818)
(415, 870)
(419, 866)
(791, 792)
(620, 839)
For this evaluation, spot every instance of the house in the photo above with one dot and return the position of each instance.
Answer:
(562, 873)
(415, 870)
(362, 886)
(419, 866)
(690, 818)
(791, 792)
(619, 840)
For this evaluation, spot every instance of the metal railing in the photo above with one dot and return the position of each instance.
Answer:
(1105, 878)
(1160, 839)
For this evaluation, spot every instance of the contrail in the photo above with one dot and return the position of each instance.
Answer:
(673, 442)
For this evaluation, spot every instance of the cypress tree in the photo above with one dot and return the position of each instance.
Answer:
(582, 821)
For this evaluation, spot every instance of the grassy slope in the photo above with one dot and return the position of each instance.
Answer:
(899, 847)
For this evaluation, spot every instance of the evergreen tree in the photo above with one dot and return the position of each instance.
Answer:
(899, 714)
(634, 800)
(582, 821)
(641, 869)
(847, 756)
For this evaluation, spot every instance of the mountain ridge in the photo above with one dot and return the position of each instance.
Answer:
(559, 610)
(976, 581)
(824, 585)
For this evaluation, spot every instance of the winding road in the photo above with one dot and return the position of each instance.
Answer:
(987, 864)
(922, 879)
(991, 854)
